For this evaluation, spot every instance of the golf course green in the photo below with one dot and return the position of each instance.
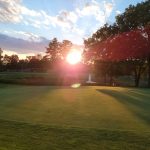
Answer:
(83, 118)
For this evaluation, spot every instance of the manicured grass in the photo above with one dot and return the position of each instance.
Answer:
(57, 118)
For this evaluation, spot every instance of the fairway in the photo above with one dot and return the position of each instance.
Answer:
(88, 117)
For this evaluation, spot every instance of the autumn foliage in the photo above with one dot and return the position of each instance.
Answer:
(128, 45)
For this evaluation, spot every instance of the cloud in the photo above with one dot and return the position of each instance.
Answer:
(64, 19)
(108, 8)
(28, 36)
(75, 24)
(21, 56)
(100, 11)
(66, 16)
(75, 34)
(13, 11)
(83, 20)
(28, 12)
(118, 12)
(23, 46)
(10, 11)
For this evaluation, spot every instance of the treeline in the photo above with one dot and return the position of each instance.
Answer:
(54, 56)
(31, 63)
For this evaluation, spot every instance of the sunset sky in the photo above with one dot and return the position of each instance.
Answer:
(26, 26)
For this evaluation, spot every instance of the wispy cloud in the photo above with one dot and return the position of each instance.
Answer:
(10, 11)
(69, 22)
(21, 45)
(13, 11)
(29, 36)
(118, 12)
(99, 11)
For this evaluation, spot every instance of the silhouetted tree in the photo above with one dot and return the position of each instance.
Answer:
(58, 50)
(53, 51)
(1, 57)
(65, 47)
(134, 17)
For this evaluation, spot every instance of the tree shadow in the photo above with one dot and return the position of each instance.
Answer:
(136, 100)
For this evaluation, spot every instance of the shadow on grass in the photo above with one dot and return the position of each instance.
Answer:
(136, 100)
(15, 136)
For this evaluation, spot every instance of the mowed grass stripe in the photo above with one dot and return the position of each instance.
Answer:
(23, 136)
(85, 107)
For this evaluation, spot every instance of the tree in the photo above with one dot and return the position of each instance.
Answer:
(14, 59)
(53, 51)
(22, 64)
(58, 50)
(105, 32)
(11, 62)
(130, 46)
(134, 17)
(65, 47)
(33, 63)
(91, 55)
(1, 51)
(6, 59)
(137, 17)
(128, 39)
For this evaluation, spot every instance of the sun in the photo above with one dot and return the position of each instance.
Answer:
(74, 57)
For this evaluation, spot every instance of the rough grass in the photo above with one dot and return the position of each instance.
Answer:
(29, 78)
(91, 118)
(37, 78)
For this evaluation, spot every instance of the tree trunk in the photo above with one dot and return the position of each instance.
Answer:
(137, 75)
(137, 80)
(105, 79)
(149, 72)
(111, 80)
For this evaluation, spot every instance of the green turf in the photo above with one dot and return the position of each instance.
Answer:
(28, 77)
(37, 78)
(86, 118)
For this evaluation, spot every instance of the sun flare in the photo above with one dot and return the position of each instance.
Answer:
(74, 57)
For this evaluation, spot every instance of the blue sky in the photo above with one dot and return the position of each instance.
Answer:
(41, 20)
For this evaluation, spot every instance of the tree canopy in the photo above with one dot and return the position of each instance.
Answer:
(58, 50)
(128, 39)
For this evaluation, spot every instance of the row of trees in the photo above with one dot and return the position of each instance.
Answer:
(31, 63)
(55, 54)
(124, 43)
